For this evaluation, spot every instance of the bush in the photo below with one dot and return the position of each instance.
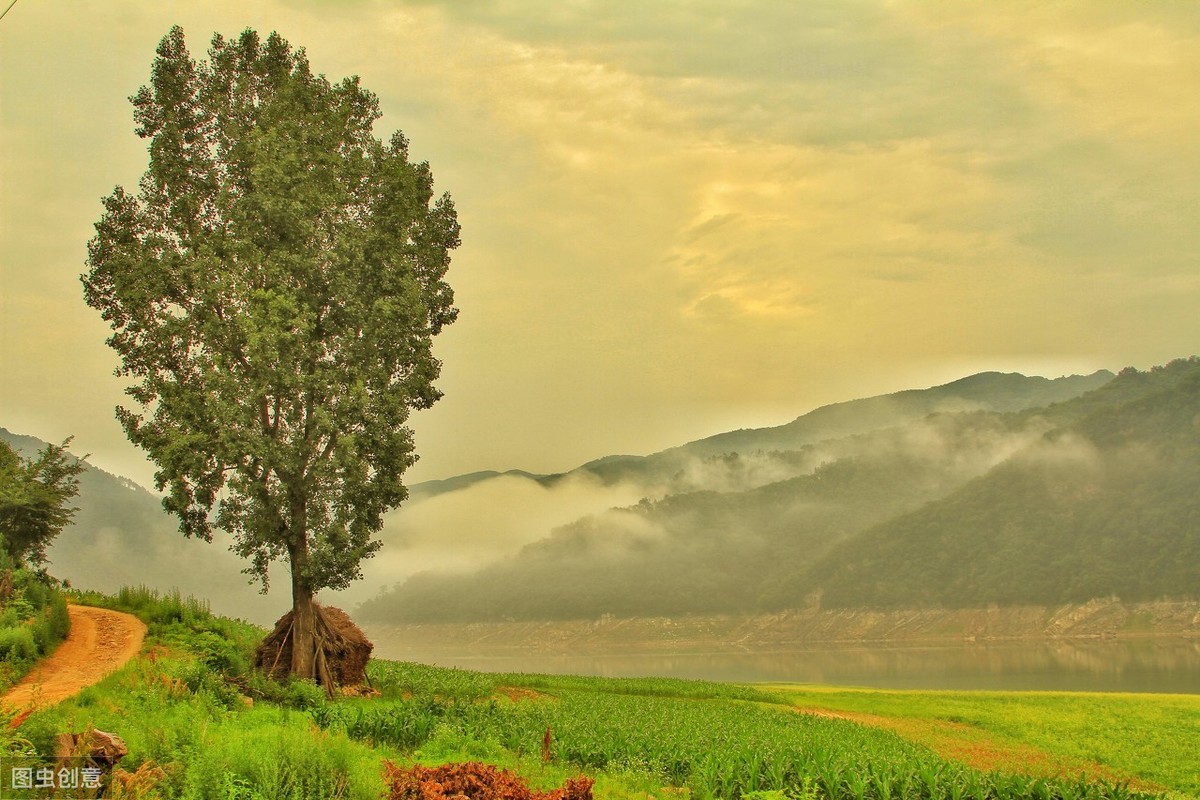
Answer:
(219, 653)
(15, 612)
(33, 621)
(17, 644)
(161, 609)
(199, 679)
(474, 781)
(304, 694)
(51, 626)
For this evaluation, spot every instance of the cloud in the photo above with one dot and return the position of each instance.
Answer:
(462, 530)
(676, 215)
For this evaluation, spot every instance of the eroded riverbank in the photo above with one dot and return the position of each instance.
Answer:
(1097, 619)
(1101, 646)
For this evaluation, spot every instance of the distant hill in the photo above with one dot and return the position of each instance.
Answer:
(433, 488)
(986, 391)
(671, 470)
(1107, 504)
(868, 499)
(122, 537)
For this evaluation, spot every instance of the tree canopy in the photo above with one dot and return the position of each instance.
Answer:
(35, 496)
(274, 288)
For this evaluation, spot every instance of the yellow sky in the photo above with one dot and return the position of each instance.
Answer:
(677, 220)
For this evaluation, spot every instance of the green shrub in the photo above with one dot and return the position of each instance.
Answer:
(34, 587)
(51, 625)
(17, 644)
(156, 608)
(11, 616)
(304, 694)
(34, 619)
(201, 680)
(220, 653)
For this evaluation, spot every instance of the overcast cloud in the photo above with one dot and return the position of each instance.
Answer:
(677, 218)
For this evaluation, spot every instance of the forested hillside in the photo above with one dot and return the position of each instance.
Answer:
(710, 551)
(1081, 498)
(764, 455)
(1106, 505)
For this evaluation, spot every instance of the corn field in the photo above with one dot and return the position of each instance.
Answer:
(718, 741)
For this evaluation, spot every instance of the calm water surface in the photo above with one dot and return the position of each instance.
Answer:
(1170, 666)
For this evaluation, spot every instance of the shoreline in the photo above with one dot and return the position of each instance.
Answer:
(1098, 620)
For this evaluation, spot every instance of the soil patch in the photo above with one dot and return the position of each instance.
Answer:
(517, 694)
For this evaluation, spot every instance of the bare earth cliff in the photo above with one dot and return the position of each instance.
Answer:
(1097, 619)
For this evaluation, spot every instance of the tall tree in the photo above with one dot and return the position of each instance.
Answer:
(274, 288)
(35, 495)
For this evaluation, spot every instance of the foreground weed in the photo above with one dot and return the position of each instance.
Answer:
(274, 753)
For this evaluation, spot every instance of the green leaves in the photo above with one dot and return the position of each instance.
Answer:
(273, 288)
(34, 500)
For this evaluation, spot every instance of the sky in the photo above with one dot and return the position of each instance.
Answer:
(679, 218)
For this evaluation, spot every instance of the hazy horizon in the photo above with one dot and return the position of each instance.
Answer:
(679, 219)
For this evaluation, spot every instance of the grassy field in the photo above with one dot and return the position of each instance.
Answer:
(200, 724)
(1153, 738)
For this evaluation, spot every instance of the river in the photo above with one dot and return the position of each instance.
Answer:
(1139, 665)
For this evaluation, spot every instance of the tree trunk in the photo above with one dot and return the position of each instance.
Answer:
(303, 618)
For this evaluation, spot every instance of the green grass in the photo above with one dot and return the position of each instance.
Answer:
(208, 747)
(398, 678)
(184, 712)
(715, 739)
(1155, 737)
(199, 724)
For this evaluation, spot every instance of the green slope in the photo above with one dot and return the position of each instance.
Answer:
(1107, 504)
(711, 551)
(986, 391)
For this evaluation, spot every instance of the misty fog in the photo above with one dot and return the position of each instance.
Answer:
(463, 530)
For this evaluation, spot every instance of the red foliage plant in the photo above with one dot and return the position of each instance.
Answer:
(472, 781)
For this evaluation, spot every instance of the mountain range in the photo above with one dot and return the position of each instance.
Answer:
(995, 489)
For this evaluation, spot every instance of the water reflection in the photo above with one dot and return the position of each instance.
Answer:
(1171, 666)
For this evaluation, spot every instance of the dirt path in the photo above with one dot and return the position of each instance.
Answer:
(98, 643)
(976, 748)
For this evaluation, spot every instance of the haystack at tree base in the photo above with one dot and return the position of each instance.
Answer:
(340, 649)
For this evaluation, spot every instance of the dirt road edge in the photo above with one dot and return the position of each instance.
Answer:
(99, 642)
